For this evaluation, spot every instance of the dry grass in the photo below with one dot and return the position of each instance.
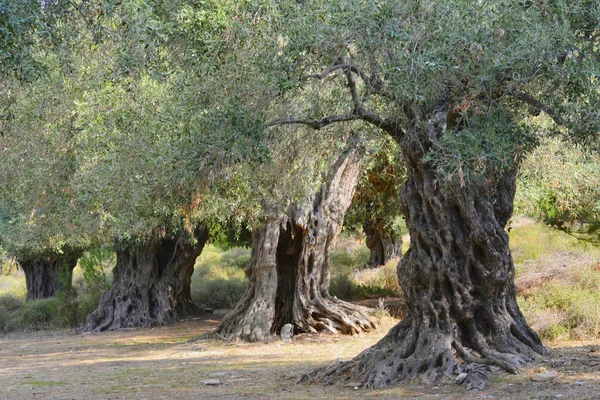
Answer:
(558, 282)
(157, 363)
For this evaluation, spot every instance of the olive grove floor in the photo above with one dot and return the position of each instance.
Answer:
(158, 363)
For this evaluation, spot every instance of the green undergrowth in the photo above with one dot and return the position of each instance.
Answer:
(533, 241)
(69, 309)
(219, 279)
(350, 280)
(562, 298)
(566, 309)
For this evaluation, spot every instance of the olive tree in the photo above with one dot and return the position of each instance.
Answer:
(451, 82)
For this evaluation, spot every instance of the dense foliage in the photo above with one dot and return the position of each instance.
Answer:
(559, 184)
(128, 130)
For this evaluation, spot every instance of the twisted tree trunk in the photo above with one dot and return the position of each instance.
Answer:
(458, 282)
(151, 285)
(296, 287)
(46, 276)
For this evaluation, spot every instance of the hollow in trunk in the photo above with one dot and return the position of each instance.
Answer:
(290, 283)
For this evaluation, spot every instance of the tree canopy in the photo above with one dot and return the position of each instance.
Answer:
(128, 131)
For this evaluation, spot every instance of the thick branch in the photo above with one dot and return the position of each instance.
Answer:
(524, 97)
(315, 124)
(374, 85)
(372, 118)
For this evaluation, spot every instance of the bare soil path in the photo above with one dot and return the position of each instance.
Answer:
(158, 363)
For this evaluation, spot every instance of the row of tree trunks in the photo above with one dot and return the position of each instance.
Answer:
(289, 272)
(46, 276)
(151, 284)
(458, 282)
(383, 245)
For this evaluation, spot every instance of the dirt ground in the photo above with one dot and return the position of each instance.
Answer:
(158, 363)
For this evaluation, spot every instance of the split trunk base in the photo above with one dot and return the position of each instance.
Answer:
(289, 270)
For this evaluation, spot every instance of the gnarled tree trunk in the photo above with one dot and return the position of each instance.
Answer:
(383, 245)
(296, 288)
(46, 276)
(151, 285)
(458, 282)
(252, 318)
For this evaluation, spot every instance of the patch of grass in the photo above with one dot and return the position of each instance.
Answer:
(44, 383)
(347, 261)
(568, 308)
(219, 279)
(218, 293)
(12, 295)
(560, 278)
(532, 242)
(13, 286)
(349, 282)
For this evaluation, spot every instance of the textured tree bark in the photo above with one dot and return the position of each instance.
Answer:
(289, 279)
(383, 245)
(458, 281)
(46, 276)
(304, 254)
(151, 285)
(252, 318)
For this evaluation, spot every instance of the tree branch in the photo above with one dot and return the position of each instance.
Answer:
(358, 108)
(374, 85)
(524, 97)
(315, 124)
(382, 123)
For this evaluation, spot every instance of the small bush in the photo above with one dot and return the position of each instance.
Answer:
(35, 314)
(237, 257)
(86, 304)
(10, 302)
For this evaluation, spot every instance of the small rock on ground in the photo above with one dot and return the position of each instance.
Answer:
(212, 382)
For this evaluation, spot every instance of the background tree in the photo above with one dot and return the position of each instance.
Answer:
(111, 144)
(289, 271)
(375, 207)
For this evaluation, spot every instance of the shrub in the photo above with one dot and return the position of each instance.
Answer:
(86, 304)
(35, 314)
